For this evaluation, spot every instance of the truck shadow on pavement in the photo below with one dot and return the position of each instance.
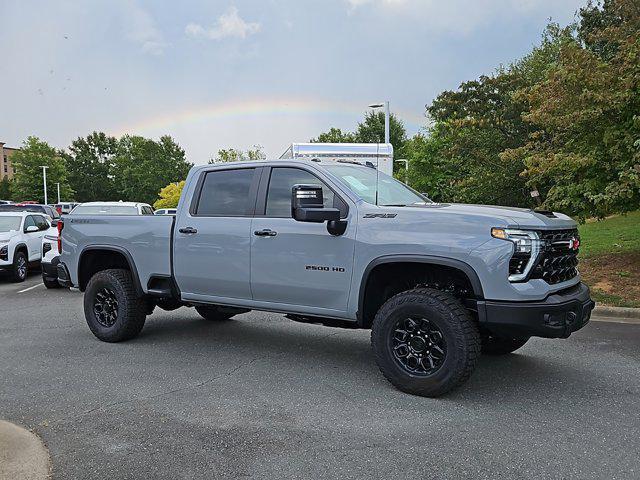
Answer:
(537, 371)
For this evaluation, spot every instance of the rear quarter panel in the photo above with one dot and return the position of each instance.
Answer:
(147, 238)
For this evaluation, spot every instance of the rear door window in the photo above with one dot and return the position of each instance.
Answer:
(226, 193)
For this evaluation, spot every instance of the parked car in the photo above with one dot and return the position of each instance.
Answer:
(165, 211)
(64, 208)
(344, 245)
(5, 202)
(113, 208)
(50, 257)
(21, 242)
(47, 210)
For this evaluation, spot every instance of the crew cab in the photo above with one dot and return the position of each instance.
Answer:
(21, 242)
(341, 244)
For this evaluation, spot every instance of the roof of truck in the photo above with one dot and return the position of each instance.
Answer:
(304, 161)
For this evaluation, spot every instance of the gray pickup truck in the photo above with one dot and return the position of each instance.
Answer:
(340, 244)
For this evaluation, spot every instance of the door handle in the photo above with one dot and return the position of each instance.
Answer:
(188, 230)
(265, 233)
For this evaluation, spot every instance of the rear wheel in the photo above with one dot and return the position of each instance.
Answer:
(495, 345)
(113, 309)
(20, 267)
(217, 313)
(425, 342)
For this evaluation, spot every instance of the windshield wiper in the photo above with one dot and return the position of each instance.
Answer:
(394, 205)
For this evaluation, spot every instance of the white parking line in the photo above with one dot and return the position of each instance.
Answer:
(30, 288)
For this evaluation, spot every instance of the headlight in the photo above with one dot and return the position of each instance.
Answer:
(4, 253)
(525, 252)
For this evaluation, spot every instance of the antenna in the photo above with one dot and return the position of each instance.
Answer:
(377, 169)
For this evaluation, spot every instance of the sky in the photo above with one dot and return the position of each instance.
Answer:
(233, 74)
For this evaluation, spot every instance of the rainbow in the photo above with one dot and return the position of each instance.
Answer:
(258, 107)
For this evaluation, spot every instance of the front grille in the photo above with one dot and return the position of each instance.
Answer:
(558, 259)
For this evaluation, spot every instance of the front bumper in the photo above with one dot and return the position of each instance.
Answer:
(558, 316)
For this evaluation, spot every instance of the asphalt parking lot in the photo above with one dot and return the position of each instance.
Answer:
(265, 397)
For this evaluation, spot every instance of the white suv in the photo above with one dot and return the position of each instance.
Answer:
(21, 241)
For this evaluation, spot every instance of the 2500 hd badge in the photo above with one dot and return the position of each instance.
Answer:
(321, 268)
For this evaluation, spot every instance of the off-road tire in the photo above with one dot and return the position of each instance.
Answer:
(16, 276)
(215, 313)
(458, 329)
(50, 283)
(494, 345)
(131, 308)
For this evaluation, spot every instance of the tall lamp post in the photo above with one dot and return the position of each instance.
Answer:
(58, 185)
(384, 104)
(44, 180)
(406, 169)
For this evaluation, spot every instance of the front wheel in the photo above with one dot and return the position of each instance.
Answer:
(425, 342)
(113, 309)
(20, 267)
(495, 345)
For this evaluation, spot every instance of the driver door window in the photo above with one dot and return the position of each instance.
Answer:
(29, 222)
(279, 193)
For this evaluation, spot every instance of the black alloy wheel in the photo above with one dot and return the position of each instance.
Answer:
(105, 307)
(418, 346)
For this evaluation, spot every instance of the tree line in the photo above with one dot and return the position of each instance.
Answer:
(97, 167)
(564, 121)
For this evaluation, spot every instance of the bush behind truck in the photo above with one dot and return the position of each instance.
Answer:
(341, 244)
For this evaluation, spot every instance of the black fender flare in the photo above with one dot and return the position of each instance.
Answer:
(125, 253)
(426, 259)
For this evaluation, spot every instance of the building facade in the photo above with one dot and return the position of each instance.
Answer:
(6, 167)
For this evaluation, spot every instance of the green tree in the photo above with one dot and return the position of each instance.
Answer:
(143, 166)
(334, 135)
(5, 189)
(584, 154)
(28, 179)
(91, 165)
(237, 155)
(169, 196)
(462, 158)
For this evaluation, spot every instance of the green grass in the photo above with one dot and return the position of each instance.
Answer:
(603, 298)
(611, 235)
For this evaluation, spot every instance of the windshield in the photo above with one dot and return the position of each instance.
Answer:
(363, 180)
(105, 210)
(9, 223)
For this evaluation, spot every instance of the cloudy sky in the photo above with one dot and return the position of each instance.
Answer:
(218, 73)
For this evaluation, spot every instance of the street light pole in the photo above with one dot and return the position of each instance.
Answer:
(58, 185)
(387, 115)
(44, 179)
(406, 169)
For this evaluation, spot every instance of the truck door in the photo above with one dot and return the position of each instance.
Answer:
(299, 263)
(212, 240)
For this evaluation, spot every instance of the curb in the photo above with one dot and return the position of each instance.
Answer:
(617, 312)
(22, 454)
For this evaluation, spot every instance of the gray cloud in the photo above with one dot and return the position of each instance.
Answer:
(229, 24)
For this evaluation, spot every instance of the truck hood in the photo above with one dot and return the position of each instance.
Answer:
(512, 216)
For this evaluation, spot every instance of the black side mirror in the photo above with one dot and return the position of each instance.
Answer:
(54, 223)
(307, 205)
